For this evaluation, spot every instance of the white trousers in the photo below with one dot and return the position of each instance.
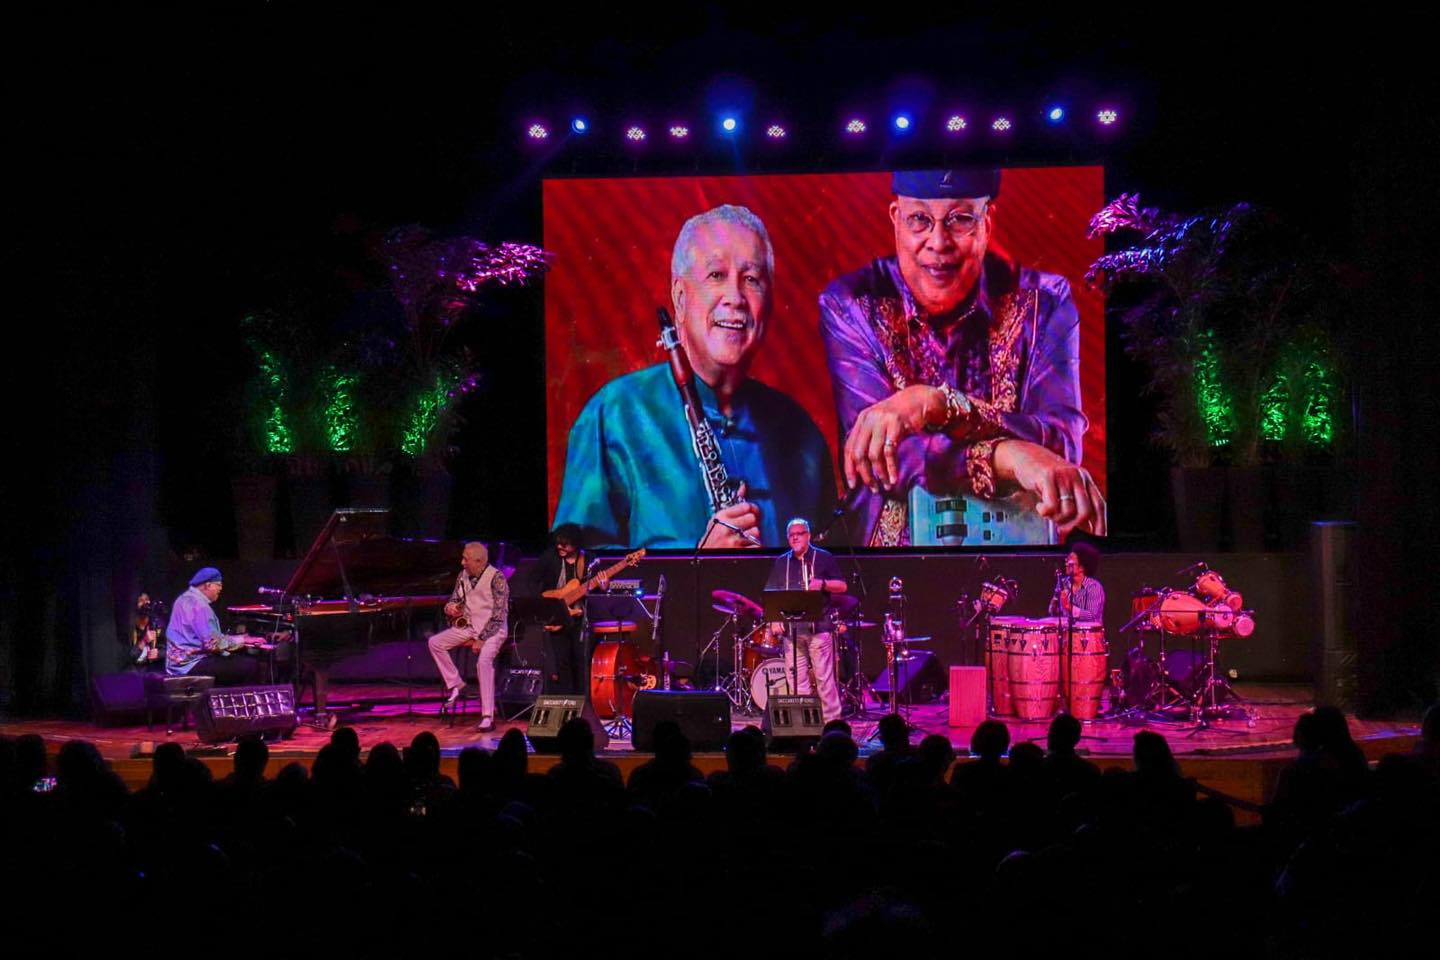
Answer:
(816, 653)
(446, 640)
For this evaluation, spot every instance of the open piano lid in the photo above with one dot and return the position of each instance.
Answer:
(352, 556)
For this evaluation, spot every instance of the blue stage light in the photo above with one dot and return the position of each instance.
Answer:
(579, 125)
(729, 124)
(1055, 114)
(902, 122)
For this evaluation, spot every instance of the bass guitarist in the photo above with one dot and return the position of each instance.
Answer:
(560, 563)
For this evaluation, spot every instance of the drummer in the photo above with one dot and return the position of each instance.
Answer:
(807, 567)
(1080, 589)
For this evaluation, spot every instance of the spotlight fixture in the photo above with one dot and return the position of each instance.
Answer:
(855, 127)
(729, 124)
(955, 124)
(537, 131)
(1055, 114)
(1107, 117)
(775, 132)
(579, 125)
(679, 131)
(1001, 124)
(635, 134)
(902, 122)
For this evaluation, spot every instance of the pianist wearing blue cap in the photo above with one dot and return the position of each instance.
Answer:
(194, 643)
(957, 372)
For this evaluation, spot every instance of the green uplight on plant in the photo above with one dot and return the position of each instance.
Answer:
(340, 420)
(279, 438)
(1216, 409)
(425, 414)
(1316, 424)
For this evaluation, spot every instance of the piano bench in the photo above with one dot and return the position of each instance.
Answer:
(171, 692)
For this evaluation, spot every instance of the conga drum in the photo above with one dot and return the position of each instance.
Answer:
(1034, 667)
(997, 655)
(1085, 675)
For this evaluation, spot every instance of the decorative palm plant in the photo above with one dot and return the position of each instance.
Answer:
(1228, 312)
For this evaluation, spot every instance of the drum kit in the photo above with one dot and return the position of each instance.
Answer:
(1163, 682)
(760, 669)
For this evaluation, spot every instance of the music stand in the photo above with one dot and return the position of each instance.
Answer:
(792, 607)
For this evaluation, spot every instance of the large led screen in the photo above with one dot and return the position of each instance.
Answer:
(819, 344)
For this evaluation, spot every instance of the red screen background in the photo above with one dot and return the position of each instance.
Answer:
(612, 239)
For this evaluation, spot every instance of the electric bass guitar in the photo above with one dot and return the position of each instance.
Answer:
(572, 592)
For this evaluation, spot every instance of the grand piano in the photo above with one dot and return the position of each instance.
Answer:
(356, 587)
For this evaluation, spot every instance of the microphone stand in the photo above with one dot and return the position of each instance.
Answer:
(1067, 668)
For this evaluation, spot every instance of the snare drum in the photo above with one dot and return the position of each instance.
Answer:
(1211, 586)
(769, 676)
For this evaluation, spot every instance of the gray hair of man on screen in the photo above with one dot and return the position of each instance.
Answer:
(683, 257)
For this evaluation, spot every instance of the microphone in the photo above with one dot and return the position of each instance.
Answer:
(1193, 568)
(270, 591)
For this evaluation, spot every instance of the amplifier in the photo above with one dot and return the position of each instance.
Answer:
(517, 687)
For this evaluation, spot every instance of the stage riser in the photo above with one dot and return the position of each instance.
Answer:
(1276, 586)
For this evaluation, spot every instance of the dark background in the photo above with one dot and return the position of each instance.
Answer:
(172, 171)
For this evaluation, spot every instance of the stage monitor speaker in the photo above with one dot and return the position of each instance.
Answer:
(228, 713)
(551, 712)
(703, 716)
(517, 687)
(118, 698)
(921, 678)
(792, 722)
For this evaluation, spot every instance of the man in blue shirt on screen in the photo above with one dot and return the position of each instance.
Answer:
(631, 475)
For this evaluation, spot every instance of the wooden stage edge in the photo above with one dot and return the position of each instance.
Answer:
(1235, 757)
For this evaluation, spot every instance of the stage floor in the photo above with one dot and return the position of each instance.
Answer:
(1238, 757)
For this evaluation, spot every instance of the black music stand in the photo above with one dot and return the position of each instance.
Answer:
(792, 607)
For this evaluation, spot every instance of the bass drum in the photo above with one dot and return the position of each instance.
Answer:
(614, 668)
(771, 676)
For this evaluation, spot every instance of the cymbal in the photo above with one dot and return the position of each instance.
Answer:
(844, 602)
(728, 601)
(861, 624)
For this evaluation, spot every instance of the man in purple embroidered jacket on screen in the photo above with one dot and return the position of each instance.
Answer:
(955, 369)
